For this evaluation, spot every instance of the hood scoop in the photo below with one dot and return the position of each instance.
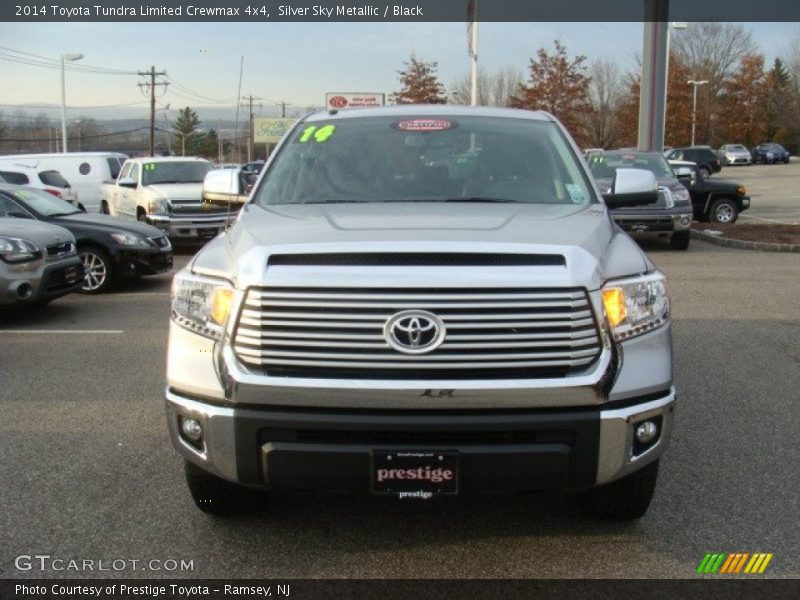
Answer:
(419, 259)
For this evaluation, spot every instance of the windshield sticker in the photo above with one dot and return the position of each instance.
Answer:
(576, 193)
(320, 135)
(424, 125)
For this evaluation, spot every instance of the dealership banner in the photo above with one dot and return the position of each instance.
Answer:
(267, 130)
(338, 101)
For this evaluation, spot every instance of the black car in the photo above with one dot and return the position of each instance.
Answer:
(111, 249)
(707, 160)
(770, 153)
(712, 200)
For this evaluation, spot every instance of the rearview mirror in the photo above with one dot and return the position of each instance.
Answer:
(225, 185)
(685, 174)
(128, 182)
(632, 187)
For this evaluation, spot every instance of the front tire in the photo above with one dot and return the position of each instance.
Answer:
(680, 240)
(723, 211)
(216, 496)
(622, 500)
(705, 171)
(141, 216)
(98, 273)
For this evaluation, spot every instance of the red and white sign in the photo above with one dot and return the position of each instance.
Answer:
(338, 101)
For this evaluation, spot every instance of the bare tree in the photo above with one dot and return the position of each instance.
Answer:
(605, 93)
(712, 51)
(494, 89)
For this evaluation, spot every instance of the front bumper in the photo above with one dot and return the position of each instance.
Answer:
(132, 263)
(193, 227)
(530, 450)
(665, 220)
(21, 284)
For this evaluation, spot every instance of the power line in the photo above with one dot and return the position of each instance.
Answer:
(84, 137)
(36, 60)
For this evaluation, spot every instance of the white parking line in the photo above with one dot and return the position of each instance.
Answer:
(55, 331)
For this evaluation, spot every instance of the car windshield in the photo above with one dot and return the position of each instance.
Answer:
(425, 159)
(604, 165)
(43, 203)
(737, 148)
(777, 147)
(175, 172)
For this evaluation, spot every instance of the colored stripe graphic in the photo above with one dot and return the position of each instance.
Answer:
(734, 563)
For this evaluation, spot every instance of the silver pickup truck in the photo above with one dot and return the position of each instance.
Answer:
(424, 301)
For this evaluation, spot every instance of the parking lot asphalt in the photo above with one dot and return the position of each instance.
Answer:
(87, 470)
(774, 195)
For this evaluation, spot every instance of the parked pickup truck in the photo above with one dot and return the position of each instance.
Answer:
(712, 200)
(387, 317)
(166, 192)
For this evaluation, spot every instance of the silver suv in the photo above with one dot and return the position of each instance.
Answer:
(424, 301)
(38, 262)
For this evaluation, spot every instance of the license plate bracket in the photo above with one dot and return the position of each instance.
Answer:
(414, 473)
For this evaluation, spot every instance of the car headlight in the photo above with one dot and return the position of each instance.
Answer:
(18, 250)
(131, 240)
(681, 196)
(636, 305)
(158, 206)
(741, 190)
(201, 304)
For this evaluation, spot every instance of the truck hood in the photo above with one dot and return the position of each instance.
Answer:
(178, 192)
(593, 248)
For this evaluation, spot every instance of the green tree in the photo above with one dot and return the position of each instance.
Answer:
(778, 92)
(559, 85)
(420, 84)
(185, 130)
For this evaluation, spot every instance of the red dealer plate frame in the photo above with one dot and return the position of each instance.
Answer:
(427, 463)
(424, 125)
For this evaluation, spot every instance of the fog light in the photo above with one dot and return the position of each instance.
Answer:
(646, 432)
(192, 429)
(686, 221)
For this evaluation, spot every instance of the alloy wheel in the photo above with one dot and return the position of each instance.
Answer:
(95, 271)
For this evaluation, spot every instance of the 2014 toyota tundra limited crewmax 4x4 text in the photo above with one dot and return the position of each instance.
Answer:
(424, 301)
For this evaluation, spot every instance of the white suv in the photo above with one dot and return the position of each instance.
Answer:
(50, 181)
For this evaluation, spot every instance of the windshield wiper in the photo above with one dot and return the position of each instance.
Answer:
(482, 199)
(64, 214)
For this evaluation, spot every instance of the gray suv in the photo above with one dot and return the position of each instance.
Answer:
(38, 262)
(424, 301)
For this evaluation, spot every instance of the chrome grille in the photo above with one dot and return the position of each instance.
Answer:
(324, 332)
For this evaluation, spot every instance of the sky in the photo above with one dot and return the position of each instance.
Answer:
(292, 62)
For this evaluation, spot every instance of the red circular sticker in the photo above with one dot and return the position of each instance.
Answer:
(424, 125)
(338, 101)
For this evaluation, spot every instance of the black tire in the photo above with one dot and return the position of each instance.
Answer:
(141, 216)
(622, 500)
(216, 496)
(786, 161)
(723, 211)
(104, 208)
(680, 240)
(98, 270)
(705, 171)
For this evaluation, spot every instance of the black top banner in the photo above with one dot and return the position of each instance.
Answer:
(397, 10)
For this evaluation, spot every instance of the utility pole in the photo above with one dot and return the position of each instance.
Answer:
(250, 99)
(283, 104)
(152, 85)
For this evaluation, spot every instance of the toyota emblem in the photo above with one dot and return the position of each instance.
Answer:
(414, 332)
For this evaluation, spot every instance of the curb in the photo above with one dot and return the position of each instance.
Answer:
(744, 245)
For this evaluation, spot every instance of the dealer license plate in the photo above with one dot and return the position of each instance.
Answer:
(414, 473)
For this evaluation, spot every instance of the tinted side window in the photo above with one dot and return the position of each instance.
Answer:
(113, 164)
(15, 178)
(53, 178)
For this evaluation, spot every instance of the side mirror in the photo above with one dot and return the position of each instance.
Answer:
(632, 187)
(127, 182)
(225, 185)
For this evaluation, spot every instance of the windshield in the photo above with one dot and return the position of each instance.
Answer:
(43, 203)
(175, 172)
(421, 159)
(737, 148)
(603, 166)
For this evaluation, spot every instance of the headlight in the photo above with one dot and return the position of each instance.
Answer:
(636, 305)
(201, 304)
(17, 250)
(132, 240)
(681, 196)
(741, 190)
(159, 206)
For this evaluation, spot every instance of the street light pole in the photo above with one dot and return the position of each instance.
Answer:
(65, 57)
(695, 83)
